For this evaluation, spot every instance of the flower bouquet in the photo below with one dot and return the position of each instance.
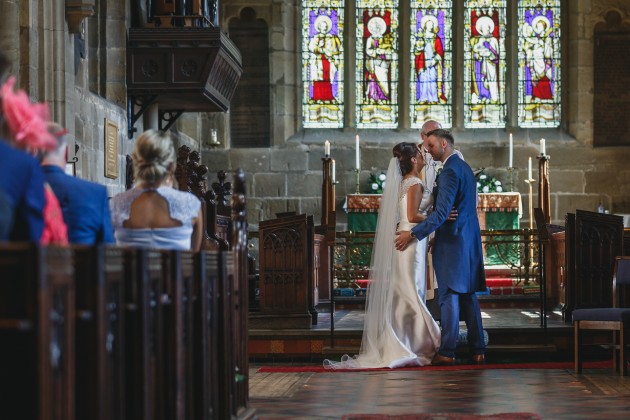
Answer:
(377, 182)
(488, 184)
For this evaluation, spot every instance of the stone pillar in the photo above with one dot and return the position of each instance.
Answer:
(10, 33)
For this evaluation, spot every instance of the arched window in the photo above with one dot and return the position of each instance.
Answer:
(539, 64)
(323, 63)
(431, 62)
(411, 44)
(484, 63)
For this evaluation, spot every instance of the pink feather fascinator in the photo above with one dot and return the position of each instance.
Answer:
(27, 121)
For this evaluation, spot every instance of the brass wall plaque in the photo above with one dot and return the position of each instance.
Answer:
(111, 149)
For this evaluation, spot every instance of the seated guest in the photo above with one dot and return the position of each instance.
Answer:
(21, 178)
(6, 215)
(83, 204)
(153, 214)
(22, 181)
(25, 127)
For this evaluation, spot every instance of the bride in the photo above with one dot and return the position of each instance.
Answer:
(398, 328)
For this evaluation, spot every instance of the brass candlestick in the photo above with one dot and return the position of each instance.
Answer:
(357, 189)
(543, 186)
(511, 171)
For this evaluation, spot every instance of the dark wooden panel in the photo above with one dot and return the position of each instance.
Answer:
(100, 333)
(611, 67)
(593, 240)
(144, 359)
(37, 323)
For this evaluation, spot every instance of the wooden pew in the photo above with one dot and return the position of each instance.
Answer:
(207, 343)
(37, 321)
(144, 350)
(159, 334)
(180, 294)
(100, 306)
(240, 327)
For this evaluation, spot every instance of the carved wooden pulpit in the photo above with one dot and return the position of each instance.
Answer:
(288, 250)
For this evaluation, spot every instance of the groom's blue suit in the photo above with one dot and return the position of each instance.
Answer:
(457, 254)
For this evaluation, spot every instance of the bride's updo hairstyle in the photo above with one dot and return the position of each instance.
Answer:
(153, 156)
(404, 152)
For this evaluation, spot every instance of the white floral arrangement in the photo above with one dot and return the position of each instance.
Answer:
(377, 182)
(488, 184)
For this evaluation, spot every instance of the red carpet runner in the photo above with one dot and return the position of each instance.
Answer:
(541, 365)
(444, 416)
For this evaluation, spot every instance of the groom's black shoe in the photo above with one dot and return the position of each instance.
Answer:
(439, 360)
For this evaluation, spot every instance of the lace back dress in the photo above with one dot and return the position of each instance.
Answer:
(183, 206)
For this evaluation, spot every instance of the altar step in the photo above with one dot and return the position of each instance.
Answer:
(504, 281)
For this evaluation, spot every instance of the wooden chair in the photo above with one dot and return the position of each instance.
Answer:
(609, 319)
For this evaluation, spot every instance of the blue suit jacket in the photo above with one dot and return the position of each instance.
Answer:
(22, 180)
(457, 252)
(84, 206)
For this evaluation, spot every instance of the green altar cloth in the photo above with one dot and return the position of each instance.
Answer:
(496, 211)
(500, 211)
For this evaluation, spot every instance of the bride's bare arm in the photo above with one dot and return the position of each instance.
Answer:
(414, 196)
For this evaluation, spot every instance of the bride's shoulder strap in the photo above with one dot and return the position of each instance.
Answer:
(408, 183)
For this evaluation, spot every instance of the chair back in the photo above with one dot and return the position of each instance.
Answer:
(622, 277)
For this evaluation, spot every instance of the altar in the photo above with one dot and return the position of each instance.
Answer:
(496, 211)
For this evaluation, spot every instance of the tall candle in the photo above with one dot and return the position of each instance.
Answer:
(334, 177)
(543, 150)
(529, 169)
(326, 148)
(358, 153)
(511, 152)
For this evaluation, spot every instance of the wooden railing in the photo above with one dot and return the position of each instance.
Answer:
(517, 250)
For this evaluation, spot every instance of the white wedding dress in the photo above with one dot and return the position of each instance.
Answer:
(398, 328)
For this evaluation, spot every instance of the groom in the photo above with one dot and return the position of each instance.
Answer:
(457, 252)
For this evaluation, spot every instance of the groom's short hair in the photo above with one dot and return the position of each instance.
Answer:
(443, 134)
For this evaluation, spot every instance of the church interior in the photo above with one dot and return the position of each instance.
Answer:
(283, 116)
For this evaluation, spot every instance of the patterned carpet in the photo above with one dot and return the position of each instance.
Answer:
(444, 416)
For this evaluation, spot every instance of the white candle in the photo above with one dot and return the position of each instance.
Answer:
(213, 136)
(529, 169)
(358, 160)
(326, 148)
(334, 177)
(543, 150)
(511, 152)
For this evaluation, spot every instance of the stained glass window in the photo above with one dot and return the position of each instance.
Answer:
(322, 63)
(431, 62)
(484, 63)
(377, 63)
(539, 63)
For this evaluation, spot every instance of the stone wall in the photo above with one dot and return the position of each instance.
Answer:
(288, 176)
(85, 90)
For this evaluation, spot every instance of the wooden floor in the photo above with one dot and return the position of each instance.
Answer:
(515, 335)
(551, 394)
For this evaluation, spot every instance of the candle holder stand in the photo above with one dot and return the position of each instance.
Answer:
(530, 236)
(357, 189)
(544, 199)
(511, 171)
